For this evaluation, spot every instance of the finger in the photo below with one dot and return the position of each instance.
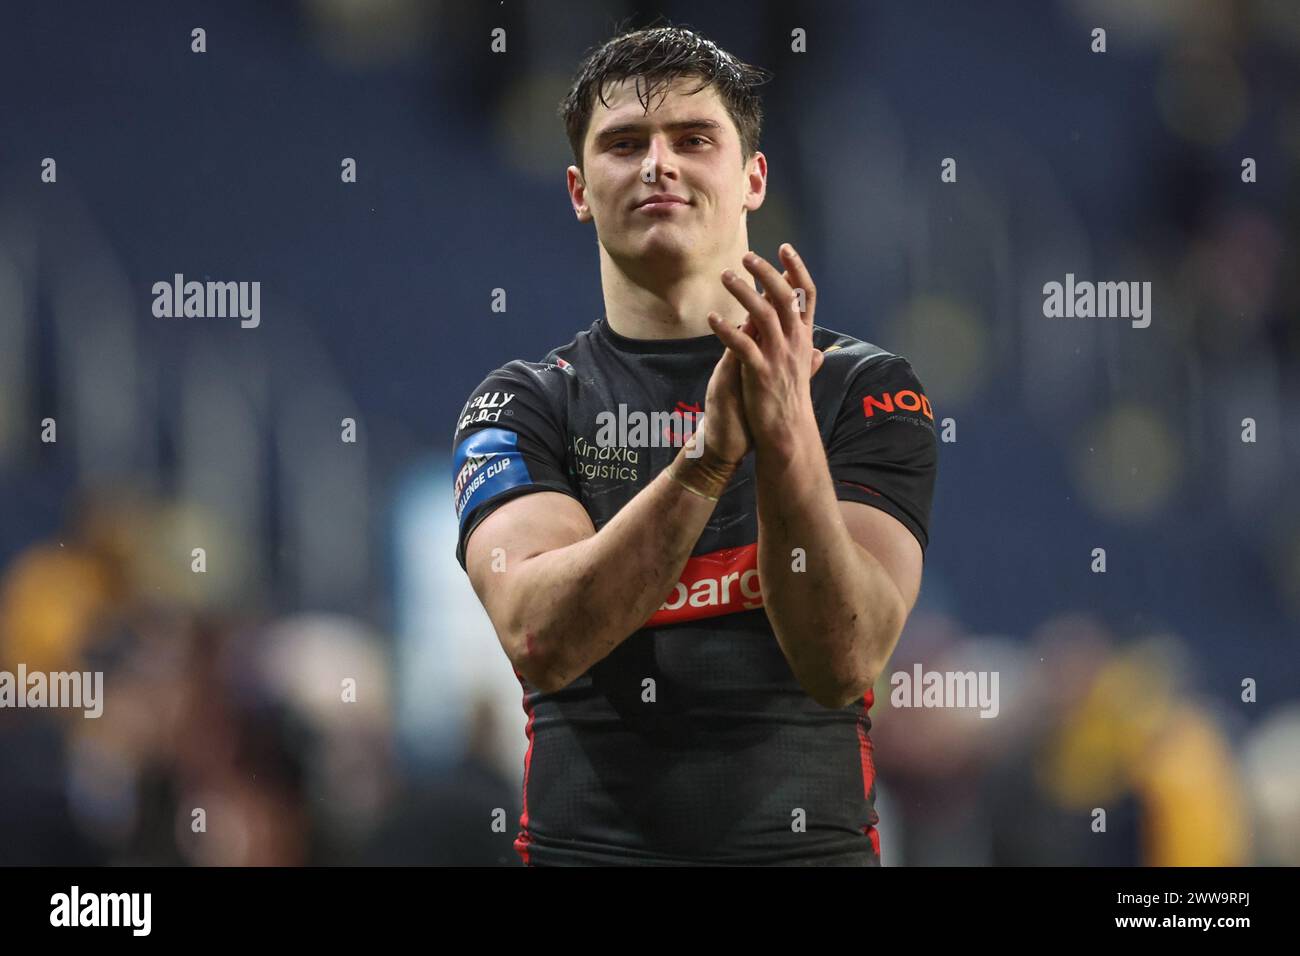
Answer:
(730, 365)
(775, 289)
(748, 327)
(797, 275)
(818, 357)
(761, 313)
(742, 346)
(803, 324)
(789, 279)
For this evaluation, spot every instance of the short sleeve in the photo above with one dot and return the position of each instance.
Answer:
(883, 449)
(509, 442)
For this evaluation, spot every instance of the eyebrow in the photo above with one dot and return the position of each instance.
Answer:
(637, 127)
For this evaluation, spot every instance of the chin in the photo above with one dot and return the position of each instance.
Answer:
(665, 245)
(655, 249)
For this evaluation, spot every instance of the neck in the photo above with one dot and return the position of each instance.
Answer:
(669, 299)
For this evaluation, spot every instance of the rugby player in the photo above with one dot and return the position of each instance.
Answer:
(697, 608)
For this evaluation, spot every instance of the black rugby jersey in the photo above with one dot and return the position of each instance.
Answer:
(732, 762)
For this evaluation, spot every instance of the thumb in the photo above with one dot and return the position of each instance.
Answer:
(818, 357)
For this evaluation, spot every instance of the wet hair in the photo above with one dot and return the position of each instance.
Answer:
(655, 57)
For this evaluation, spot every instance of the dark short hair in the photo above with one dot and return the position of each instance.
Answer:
(658, 56)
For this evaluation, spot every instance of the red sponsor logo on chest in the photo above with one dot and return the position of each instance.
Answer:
(720, 582)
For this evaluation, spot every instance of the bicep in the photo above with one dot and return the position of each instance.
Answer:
(889, 541)
(518, 530)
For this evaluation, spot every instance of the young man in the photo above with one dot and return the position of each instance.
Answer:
(679, 712)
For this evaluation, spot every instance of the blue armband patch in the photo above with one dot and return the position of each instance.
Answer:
(487, 463)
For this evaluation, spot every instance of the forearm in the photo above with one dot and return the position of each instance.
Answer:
(836, 612)
(572, 606)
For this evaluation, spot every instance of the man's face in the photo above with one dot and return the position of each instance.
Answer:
(686, 147)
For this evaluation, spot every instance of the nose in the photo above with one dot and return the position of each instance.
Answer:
(658, 159)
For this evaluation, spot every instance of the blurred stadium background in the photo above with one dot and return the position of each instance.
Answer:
(329, 560)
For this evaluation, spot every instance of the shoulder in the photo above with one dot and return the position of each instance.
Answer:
(515, 384)
(572, 352)
(555, 371)
(853, 363)
(521, 373)
(862, 385)
(523, 391)
(552, 376)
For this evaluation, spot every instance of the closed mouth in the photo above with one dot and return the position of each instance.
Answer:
(662, 200)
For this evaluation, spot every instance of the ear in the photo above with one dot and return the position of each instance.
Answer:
(578, 194)
(755, 181)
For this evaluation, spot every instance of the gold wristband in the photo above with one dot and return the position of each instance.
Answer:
(673, 476)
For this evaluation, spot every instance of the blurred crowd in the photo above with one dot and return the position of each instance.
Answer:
(229, 738)
(1086, 724)
(226, 738)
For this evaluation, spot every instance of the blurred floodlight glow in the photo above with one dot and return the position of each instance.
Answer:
(1127, 462)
